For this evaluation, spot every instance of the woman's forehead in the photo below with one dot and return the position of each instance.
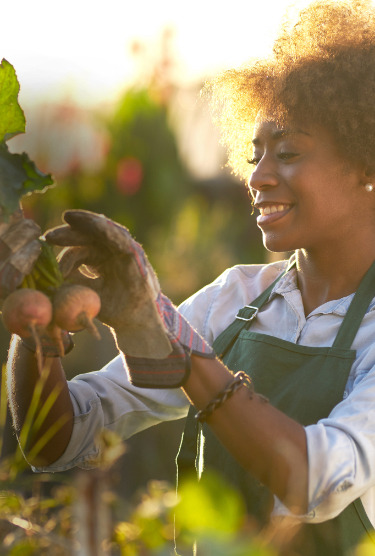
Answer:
(266, 129)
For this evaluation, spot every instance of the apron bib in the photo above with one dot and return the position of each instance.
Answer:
(303, 382)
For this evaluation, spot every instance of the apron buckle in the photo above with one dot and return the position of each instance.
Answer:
(252, 316)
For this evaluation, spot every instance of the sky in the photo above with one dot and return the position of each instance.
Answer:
(80, 48)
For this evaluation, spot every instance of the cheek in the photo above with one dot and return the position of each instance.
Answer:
(319, 189)
(327, 204)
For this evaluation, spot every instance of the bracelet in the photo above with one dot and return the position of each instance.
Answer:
(239, 379)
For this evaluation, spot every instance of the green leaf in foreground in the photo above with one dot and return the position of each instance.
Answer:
(12, 119)
(209, 507)
(18, 177)
(18, 174)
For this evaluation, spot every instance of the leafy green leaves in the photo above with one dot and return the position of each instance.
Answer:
(18, 174)
(12, 119)
(18, 177)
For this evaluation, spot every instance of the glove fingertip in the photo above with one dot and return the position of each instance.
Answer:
(64, 236)
(80, 218)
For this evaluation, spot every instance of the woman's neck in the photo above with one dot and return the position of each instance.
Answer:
(326, 276)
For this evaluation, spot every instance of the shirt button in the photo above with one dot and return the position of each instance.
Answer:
(345, 394)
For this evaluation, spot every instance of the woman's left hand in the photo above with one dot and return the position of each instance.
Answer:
(155, 338)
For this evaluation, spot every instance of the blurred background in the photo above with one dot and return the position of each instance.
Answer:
(111, 97)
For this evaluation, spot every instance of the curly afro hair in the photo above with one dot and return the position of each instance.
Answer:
(321, 70)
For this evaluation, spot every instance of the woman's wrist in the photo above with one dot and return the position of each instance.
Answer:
(206, 380)
(239, 379)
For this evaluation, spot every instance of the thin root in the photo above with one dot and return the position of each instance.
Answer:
(55, 333)
(38, 344)
(86, 322)
(60, 344)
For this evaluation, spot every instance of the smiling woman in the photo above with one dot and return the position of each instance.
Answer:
(309, 196)
(300, 334)
(300, 127)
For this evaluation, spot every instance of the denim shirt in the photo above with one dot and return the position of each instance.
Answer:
(341, 448)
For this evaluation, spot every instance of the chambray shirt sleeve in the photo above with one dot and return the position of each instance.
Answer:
(106, 399)
(341, 451)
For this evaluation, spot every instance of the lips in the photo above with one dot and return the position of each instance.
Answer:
(271, 212)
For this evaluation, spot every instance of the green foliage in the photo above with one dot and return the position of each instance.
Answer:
(208, 512)
(39, 524)
(18, 177)
(45, 275)
(140, 134)
(12, 119)
(18, 174)
(209, 507)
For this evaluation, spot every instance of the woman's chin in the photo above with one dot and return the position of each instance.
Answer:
(276, 245)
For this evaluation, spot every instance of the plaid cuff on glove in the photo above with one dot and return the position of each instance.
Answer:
(181, 330)
(171, 372)
(174, 370)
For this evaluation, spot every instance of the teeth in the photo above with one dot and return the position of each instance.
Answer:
(264, 211)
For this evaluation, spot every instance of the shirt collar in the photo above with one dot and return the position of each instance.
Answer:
(288, 284)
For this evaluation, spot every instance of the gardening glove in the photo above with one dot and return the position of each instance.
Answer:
(148, 329)
(19, 249)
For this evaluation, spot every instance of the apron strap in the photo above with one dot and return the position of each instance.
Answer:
(357, 310)
(345, 336)
(229, 336)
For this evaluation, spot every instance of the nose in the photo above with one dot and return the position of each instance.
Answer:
(263, 176)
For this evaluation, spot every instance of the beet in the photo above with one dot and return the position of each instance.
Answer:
(25, 310)
(75, 307)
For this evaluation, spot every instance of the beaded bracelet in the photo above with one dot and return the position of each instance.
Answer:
(239, 379)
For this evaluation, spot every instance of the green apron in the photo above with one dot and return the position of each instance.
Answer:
(303, 382)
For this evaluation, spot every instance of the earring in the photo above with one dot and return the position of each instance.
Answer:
(369, 187)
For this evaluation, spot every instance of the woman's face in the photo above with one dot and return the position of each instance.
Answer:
(309, 197)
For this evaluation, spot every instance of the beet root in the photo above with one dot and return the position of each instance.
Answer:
(25, 310)
(75, 307)
(55, 333)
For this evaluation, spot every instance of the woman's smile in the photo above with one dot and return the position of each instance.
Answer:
(271, 212)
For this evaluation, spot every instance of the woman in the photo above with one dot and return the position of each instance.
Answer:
(300, 126)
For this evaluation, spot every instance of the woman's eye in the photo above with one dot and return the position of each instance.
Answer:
(287, 156)
(254, 161)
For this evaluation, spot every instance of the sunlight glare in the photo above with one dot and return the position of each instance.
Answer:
(81, 48)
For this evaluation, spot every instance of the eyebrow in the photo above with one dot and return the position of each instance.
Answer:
(278, 134)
